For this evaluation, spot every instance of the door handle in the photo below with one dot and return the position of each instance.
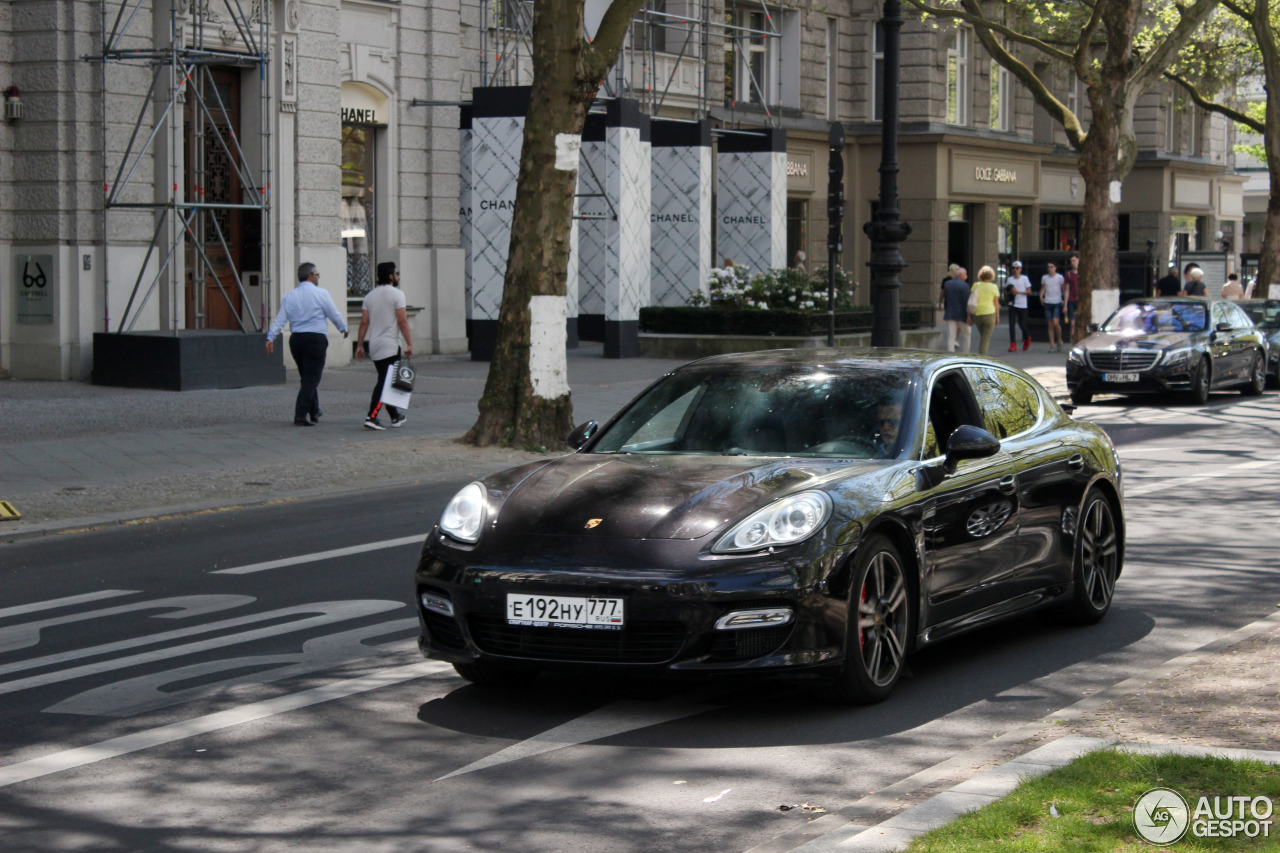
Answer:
(1076, 462)
(1008, 485)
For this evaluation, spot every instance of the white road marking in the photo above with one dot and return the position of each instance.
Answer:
(329, 612)
(610, 720)
(54, 603)
(184, 607)
(69, 759)
(321, 555)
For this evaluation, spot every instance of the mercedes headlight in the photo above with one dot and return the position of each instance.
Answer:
(785, 522)
(464, 514)
(1076, 355)
(1177, 356)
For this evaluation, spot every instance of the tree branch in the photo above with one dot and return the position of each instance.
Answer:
(981, 21)
(1081, 58)
(1215, 107)
(1154, 64)
(603, 50)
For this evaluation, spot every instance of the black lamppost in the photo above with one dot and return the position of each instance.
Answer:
(886, 230)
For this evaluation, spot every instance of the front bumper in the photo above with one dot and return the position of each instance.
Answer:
(671, 615)
(1153, 380)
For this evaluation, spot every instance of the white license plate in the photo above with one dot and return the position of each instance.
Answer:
(563, 611)
(1119, 377)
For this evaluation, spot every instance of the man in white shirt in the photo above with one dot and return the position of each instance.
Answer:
(308, 309)
(1021, 286)
(1051, 298)
(383, 314)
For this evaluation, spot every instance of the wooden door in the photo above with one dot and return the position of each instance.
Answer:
(213, 297)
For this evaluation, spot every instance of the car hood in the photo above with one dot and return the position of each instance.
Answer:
(656, 497)
(1154, 340)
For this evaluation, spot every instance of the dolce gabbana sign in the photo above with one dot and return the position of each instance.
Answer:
(799, 170)
(994, 175)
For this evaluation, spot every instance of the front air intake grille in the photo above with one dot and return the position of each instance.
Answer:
(748, 642)
(638, 642)
(1122, 361)
(443, 631)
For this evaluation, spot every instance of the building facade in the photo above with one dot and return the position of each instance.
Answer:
(235, 139)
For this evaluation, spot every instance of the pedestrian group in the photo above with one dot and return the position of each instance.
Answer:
(308, 309)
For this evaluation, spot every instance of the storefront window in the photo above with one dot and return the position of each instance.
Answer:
(1059, 232)
(1008, 240)
(358, 224)
(798, 230)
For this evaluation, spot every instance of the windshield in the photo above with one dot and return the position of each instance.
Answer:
(1145, 317)
(767, 410)
(1265, 315)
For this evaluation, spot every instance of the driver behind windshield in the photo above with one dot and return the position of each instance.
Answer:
(888, 418)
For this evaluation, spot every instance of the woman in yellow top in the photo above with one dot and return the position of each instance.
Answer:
(987, 315)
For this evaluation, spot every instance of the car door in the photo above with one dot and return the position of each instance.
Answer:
(1050, 471)
(1245, 334)
(1224, 345)
(969, 519)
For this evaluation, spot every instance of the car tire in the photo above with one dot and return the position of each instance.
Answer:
(1257, 376)
(1201, 380)
(489, 674)
(878, 628)
(1096, 564)
(1081, 398)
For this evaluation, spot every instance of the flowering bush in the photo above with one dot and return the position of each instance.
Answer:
(792, 290)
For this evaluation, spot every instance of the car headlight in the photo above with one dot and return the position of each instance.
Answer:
(1076, 356)
(785, 522)
(1177, 356)
(464, 514)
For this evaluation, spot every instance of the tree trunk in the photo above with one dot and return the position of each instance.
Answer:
(1099, 165)
(526, 400)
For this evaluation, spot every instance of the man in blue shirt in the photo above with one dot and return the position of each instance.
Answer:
(307, 309)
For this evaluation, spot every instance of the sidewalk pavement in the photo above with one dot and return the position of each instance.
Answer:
(75, 456)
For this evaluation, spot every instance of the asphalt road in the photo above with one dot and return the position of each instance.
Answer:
(248, 681)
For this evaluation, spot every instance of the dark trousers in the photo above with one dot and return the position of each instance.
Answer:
(375, 402)
(308, 350)
(1018, 317)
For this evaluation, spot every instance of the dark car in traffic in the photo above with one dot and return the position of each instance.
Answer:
(1265, 314)
(820, 514)
(1187, 345)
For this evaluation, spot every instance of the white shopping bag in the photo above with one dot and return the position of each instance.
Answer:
(392, 396)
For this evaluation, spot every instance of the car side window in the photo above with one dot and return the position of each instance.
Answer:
(1239, 318)
(1220, 315)
(951, 404)
(1010, 405)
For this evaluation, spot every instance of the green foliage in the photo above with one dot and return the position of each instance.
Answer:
(775, 290)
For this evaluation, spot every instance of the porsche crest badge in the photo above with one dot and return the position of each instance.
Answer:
(593, 522)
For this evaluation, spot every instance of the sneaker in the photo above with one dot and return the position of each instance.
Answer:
(316, 416)
(373, 423)
(303, 422)
(399, 422)
(1013, 346)
(1026, 344)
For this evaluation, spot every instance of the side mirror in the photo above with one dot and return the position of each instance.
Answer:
(1094, 327)
(582, 434)
(1223, 327)
(969, 442)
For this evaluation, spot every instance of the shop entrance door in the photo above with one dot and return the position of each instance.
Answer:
(960, 237)
(213, 297)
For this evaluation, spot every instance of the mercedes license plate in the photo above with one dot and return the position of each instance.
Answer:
(1119, 377)
(562, 611)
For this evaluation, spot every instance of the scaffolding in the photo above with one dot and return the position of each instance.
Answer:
(198, 254)
(667, 59)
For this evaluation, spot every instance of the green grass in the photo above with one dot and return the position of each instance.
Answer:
(1094, 797)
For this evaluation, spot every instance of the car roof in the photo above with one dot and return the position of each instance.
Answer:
(884, 358)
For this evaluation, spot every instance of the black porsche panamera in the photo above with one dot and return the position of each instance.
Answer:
(817, 513)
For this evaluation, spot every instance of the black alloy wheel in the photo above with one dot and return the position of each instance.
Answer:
(1201, 379)
(1097, 561)
(879, 626)
(1257, 376)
